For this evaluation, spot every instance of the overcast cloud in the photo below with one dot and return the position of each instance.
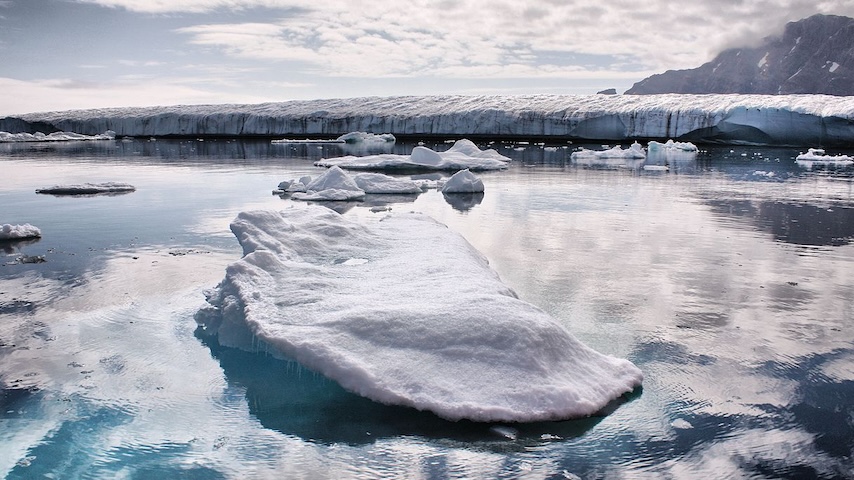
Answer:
(60, 54)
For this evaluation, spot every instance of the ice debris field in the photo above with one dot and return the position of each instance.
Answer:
(464, 154)
(402, 310)
(779, 120)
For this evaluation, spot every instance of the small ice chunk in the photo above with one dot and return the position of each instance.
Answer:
(509, 433)
(654, 146)
(384, 184)
(681, 424)
(463, 182)
(332, 185)
(817, 157)
(19, 232)
(363, 137)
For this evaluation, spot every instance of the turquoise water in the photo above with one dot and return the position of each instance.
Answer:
(728, 280)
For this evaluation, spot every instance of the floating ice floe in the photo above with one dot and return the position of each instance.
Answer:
(19, 232)
(404, 311)
(463, 182)
(337, 185)
(88, 189)
(464, 154)
(817, 157)
(351, 138)
(670, 146)
(6, 137)
(635, 151)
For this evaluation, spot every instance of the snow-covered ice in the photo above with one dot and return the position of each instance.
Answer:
(817, 157)
(670, 145)
(352, 138)
(19, 232)
(635, 151)
(88, 188)
(798, 120)
(463, 182)
(6, 137)
(337, 185)
(464, 154)
(418, 319)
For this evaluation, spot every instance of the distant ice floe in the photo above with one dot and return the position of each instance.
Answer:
(88, 189)
(464, 154)
(816, 157)
(337, 185)
(6, 137)
(9, 232)
(670, 146)
(402, 310)
(635, 151)
(351, 138)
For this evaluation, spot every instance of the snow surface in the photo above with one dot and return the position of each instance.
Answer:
(19, 232)
(635, 151)
(817, 157)
(464, 154)
(6, 137)
(337, 185)
(798, 120)
(419, 319)
(88, 188)
(463, 182)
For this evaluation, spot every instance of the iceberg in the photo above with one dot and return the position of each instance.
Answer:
(9, 232)
(635, 151)
(337, 185)
(88, 189)
(463, 182)
(6, 137)
(351, 138)
(780, 120)
(671, 146)
(464, 154)
(403, 311)
(817, 157)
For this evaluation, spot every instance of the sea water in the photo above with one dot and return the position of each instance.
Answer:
(726, 277)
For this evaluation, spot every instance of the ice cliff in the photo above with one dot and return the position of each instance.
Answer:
(799, 120)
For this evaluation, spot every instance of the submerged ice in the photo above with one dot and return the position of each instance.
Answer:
(404, 311)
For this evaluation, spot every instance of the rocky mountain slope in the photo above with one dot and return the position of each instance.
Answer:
(813, 55)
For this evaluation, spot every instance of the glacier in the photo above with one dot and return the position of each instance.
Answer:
(402, 310)
(792, 120)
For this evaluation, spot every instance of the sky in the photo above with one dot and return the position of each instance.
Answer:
(72, 54)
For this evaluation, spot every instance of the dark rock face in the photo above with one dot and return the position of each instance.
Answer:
(813, 56)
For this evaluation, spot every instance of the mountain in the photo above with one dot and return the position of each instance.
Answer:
(813, 56)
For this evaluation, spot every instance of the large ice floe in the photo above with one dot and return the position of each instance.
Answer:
(464, 154)
(404, 311)
(463, 182)
(800, 120)
(108, 188)
(816, 157)
(6, 137)
(635, 151)
(9, 232)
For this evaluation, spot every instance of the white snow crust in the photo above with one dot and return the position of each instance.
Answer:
(88, 188)
(463, 182)
(798, 120)
(404, 311)
(6, 137)
(19, 232)
(464, 154)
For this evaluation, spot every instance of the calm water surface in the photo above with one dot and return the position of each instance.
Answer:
(729, 280)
